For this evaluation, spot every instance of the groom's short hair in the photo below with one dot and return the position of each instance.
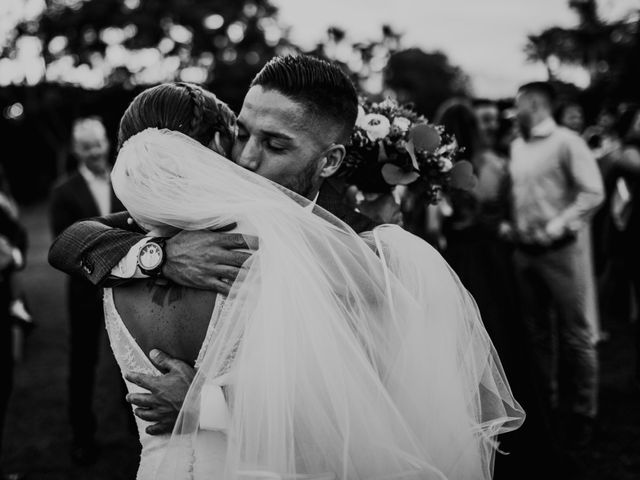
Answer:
(321, 87)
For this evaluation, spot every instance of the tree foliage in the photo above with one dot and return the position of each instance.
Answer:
(425, 79)
(609, 51)
(382, 67)
(217, 43)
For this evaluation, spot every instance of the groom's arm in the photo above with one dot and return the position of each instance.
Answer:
(104, 251)
(166, 392)
(92, 248)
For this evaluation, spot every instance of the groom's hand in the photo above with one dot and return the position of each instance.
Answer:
(167, 392)
(205, 259)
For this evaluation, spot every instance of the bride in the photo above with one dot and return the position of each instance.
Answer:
(333, 356)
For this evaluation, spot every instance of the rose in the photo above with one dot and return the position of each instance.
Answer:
(402, 124)
(377, 126)
(446, 165)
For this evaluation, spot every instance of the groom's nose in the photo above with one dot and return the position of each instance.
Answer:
(249, 156)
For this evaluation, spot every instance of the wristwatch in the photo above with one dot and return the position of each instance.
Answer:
(151, 257)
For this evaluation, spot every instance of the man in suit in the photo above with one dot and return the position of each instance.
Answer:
(294, 123)
(85, 194)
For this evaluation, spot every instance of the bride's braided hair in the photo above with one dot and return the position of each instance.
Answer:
(184, 107)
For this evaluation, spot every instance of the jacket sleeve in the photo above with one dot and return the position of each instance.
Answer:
(92, 248)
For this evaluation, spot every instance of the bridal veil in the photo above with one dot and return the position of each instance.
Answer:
(342, 357)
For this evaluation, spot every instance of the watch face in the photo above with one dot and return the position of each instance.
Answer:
(150, 256)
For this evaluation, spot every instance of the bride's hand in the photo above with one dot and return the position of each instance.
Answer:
(205, 259)
(166, 392)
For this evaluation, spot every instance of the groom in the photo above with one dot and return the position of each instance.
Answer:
(295, 120)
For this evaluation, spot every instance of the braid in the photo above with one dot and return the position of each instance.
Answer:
(197, 100)
(183, 107)
(208, 115)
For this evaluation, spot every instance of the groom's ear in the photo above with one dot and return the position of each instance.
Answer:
(332, 160)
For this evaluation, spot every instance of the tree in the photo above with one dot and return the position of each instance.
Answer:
(382, 68)
(608, 51)
(217, 43)
(93, 56)
(425, 79)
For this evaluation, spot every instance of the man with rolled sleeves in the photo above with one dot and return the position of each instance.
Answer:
(556, 188)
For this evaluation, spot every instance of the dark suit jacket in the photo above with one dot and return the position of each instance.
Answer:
(91, 249)
(72, 202)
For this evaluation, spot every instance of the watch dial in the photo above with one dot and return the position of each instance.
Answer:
(150, 256)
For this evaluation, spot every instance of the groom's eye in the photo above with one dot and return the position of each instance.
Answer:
(275, 147)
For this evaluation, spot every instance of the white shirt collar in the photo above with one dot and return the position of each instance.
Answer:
(544, 128)
(91, 177)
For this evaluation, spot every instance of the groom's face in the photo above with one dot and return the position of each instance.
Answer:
(278, 140)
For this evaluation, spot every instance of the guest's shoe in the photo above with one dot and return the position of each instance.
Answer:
(84, 453)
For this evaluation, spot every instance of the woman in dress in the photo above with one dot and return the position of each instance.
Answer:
(472, 245)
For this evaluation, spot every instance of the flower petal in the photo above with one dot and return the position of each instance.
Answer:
(425, 137)
(462, 176)
(395, 175)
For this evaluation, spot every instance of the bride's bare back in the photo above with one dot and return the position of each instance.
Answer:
(171, 318)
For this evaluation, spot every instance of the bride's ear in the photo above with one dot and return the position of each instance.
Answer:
(332, 160)
(216, 145)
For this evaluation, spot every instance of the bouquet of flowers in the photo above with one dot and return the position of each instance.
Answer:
(393, 145)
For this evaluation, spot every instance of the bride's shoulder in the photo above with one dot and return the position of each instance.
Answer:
(165, 316)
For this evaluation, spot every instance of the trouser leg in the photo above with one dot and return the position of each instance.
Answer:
(566, 273)
(538, 321)
(86, 324)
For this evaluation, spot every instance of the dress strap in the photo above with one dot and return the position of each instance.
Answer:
(215, 316)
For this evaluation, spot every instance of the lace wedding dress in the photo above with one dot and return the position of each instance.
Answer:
(210, 444)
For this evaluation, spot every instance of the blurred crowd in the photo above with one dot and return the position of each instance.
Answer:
(544, 241)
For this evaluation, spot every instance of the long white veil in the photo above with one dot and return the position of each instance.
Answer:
(339, 363)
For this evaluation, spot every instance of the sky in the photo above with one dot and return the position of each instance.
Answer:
(484, 37)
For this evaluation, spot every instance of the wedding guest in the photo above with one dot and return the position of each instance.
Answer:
(623, 236)
(606, 146)
(482, 260)
(571, 115)
(85, 194)
(13, 242)
(556, 188)
(471, 229)
(508, 131)
(488, 116)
